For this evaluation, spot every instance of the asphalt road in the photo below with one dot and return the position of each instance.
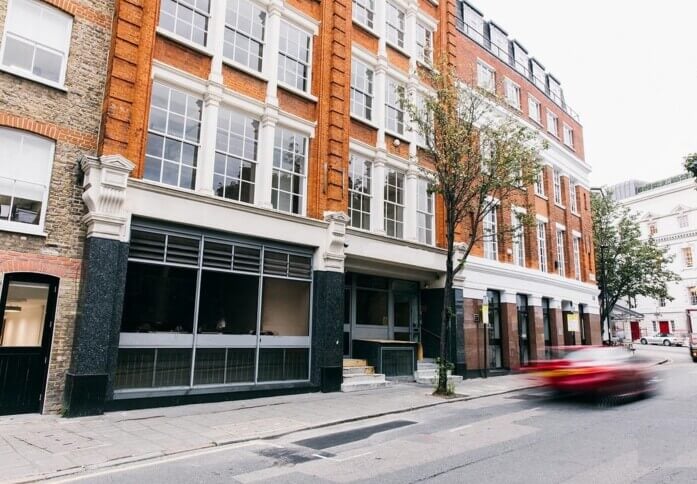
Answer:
(522, 437)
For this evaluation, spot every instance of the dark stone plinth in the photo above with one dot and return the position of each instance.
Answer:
(327, 322)
(97, 327)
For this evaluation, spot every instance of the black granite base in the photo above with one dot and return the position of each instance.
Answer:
(97, 326)
(432, 305)
(84, 394)
(327, 323)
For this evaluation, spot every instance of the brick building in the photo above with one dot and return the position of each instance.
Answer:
(256, 210)
(53, 64)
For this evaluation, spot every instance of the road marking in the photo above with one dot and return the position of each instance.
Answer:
(461, 428)
(345, 459)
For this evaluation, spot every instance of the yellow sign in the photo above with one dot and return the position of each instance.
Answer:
(572, 323)
(485, 314)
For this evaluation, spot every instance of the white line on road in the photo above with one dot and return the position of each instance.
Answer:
(345, 459)
(461, 428)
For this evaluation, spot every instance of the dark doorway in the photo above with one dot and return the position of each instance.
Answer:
(431, 309)
(495, 346)
(27, 307)
(523, 329)
(546, 327)
(663, 327)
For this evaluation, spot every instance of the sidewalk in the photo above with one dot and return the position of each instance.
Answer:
(33, 447)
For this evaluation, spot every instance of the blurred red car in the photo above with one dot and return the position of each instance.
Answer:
(596, 371)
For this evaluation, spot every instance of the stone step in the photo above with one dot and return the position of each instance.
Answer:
(349, 362)
(432, 380)
(426, 366)
(363, 382)
(427, 372)
(358, 370)
(375, 378)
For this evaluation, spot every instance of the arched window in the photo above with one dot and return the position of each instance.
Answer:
(25, 172)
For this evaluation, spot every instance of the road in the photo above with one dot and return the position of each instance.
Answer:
(522, 437)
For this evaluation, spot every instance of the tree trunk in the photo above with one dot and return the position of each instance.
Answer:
(446, 314)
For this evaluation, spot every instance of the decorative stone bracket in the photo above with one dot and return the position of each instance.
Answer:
(105, 184)
(459, 253)
(334, 256)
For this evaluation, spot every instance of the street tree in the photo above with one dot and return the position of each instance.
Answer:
(629, 265)
(481, 158)
(691, 164)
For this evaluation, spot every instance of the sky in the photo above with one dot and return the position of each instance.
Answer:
(628, 67)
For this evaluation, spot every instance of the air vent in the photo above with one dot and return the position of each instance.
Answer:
(300, 267)
(247, 259)
(182, 250)
(275, 263)
(217, 255)
(147, 245)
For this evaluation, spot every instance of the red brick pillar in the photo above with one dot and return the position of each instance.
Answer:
(536, 332)
(509, 336)
(591, 325)
(556, 324)
(474, 335)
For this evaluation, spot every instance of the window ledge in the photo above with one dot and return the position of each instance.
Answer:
(425, 65)
(16, 227)
(185, 42)
(536, 122)
(576, 213)
(297, 92)
(367, 122)
(365, 27)
(242, 68)
(563, 207)
(32, 77)
(543, 197)
(399, 49)
(401, 137)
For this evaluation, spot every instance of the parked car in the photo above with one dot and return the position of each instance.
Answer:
(693, 346)
(597, 372)
(665, 339)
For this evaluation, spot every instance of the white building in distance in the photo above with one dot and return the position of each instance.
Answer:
(667, 211)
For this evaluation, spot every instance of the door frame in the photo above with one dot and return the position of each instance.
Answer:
(49, 318)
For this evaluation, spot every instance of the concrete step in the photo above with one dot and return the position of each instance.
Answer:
(374, 378)
(426, 366)
(349, 362)
(363, 382)
(432, 380)
(358, 370)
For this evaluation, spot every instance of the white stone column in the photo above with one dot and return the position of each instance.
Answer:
(377, 202)
(270, 61)
(379, 100)
(206, 153)
(411, 202)
(264, 169)
(410, 33)
(216, 36)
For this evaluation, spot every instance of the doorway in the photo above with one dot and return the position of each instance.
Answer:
(379, 308)
(523, 329)
(663, 327)
(27, 309)
(636, 331)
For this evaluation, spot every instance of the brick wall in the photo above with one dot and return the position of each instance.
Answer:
(72, 119)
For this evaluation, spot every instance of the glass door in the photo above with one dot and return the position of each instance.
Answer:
(495, 347)
(27, 308)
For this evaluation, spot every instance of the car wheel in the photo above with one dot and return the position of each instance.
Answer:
(666, 342)
(643, 341)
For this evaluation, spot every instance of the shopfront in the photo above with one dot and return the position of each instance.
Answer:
(209, 312)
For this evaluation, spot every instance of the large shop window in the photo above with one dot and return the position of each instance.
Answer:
(207, 309)
(36, 41)
(174, 129)
(25, 171)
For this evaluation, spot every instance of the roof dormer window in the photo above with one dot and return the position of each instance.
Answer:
(520, 59)
(472, 23)
(498, 42)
